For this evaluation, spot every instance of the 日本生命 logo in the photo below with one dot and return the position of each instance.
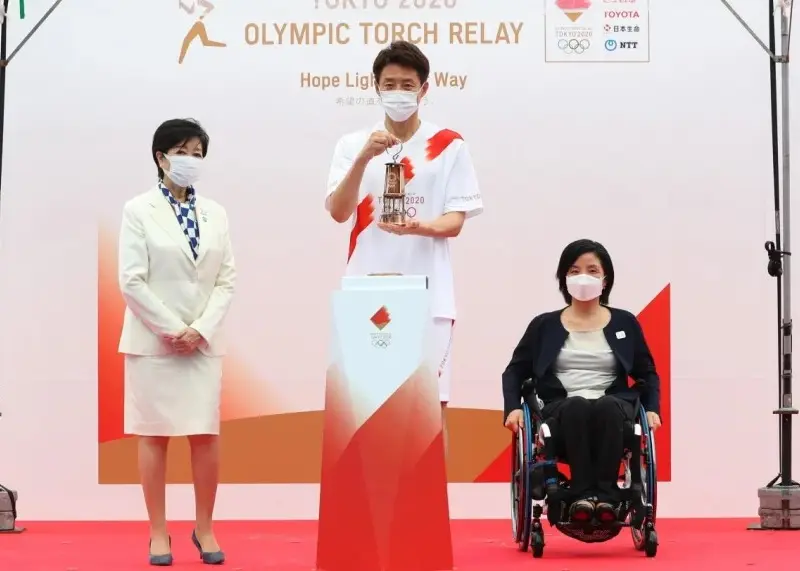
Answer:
(609, 29)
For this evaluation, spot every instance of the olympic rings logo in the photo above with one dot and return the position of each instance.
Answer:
(381, 340)
(574, 46)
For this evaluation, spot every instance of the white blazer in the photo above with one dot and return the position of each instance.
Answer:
(165, 289)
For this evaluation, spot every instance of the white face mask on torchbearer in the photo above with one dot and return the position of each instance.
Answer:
(584, 287)
(399, 105)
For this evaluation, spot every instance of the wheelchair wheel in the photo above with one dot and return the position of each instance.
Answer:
(645, 537)
(639, 533)
(537, 544)
(651, 543)
(520, 491)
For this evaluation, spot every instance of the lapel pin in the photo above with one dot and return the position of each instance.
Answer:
(620, 335)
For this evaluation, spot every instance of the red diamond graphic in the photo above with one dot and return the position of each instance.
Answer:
(381, 318)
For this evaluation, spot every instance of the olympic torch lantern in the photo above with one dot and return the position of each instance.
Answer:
(394, 195)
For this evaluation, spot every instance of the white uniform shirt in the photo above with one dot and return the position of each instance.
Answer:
(440, 178)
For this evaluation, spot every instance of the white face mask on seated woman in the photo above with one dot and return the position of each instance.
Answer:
(584, 287)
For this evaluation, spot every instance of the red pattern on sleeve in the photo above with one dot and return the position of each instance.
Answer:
(364, 217)
(440, 141)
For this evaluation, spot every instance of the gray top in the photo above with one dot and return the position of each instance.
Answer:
(586, 366)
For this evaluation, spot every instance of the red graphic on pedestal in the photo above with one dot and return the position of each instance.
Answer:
(381, 318)
(573, 9)
(383, 491)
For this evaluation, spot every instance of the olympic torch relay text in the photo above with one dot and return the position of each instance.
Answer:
(381, 33)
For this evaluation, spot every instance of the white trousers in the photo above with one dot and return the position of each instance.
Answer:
(442, 339)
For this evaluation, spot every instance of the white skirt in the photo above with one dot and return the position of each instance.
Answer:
(172, 395)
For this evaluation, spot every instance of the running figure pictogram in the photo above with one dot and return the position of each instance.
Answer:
(198, 29)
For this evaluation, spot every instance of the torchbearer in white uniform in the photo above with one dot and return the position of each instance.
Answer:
(177, 275)
(441, 191)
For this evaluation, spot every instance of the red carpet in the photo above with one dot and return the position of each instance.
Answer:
(686, 545)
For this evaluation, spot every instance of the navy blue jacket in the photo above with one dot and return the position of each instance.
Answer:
(539, 347)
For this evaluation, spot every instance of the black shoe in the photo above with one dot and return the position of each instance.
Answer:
(581, 511)
(605, 512)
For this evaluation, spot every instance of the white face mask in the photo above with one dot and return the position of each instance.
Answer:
(584, 287)
(184, 170)
(399, 105)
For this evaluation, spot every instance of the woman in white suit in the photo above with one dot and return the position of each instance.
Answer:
(176, 273)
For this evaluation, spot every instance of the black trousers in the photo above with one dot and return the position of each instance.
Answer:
(590, 435)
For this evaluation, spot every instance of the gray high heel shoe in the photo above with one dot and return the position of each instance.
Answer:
(208, 557)
(161, 560)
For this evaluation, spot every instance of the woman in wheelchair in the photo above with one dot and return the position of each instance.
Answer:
(578, 360)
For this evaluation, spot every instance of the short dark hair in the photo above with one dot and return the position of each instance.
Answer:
(176, 132)
(404, 54)
(574, 251)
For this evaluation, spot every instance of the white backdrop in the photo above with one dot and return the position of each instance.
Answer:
(667, 163)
